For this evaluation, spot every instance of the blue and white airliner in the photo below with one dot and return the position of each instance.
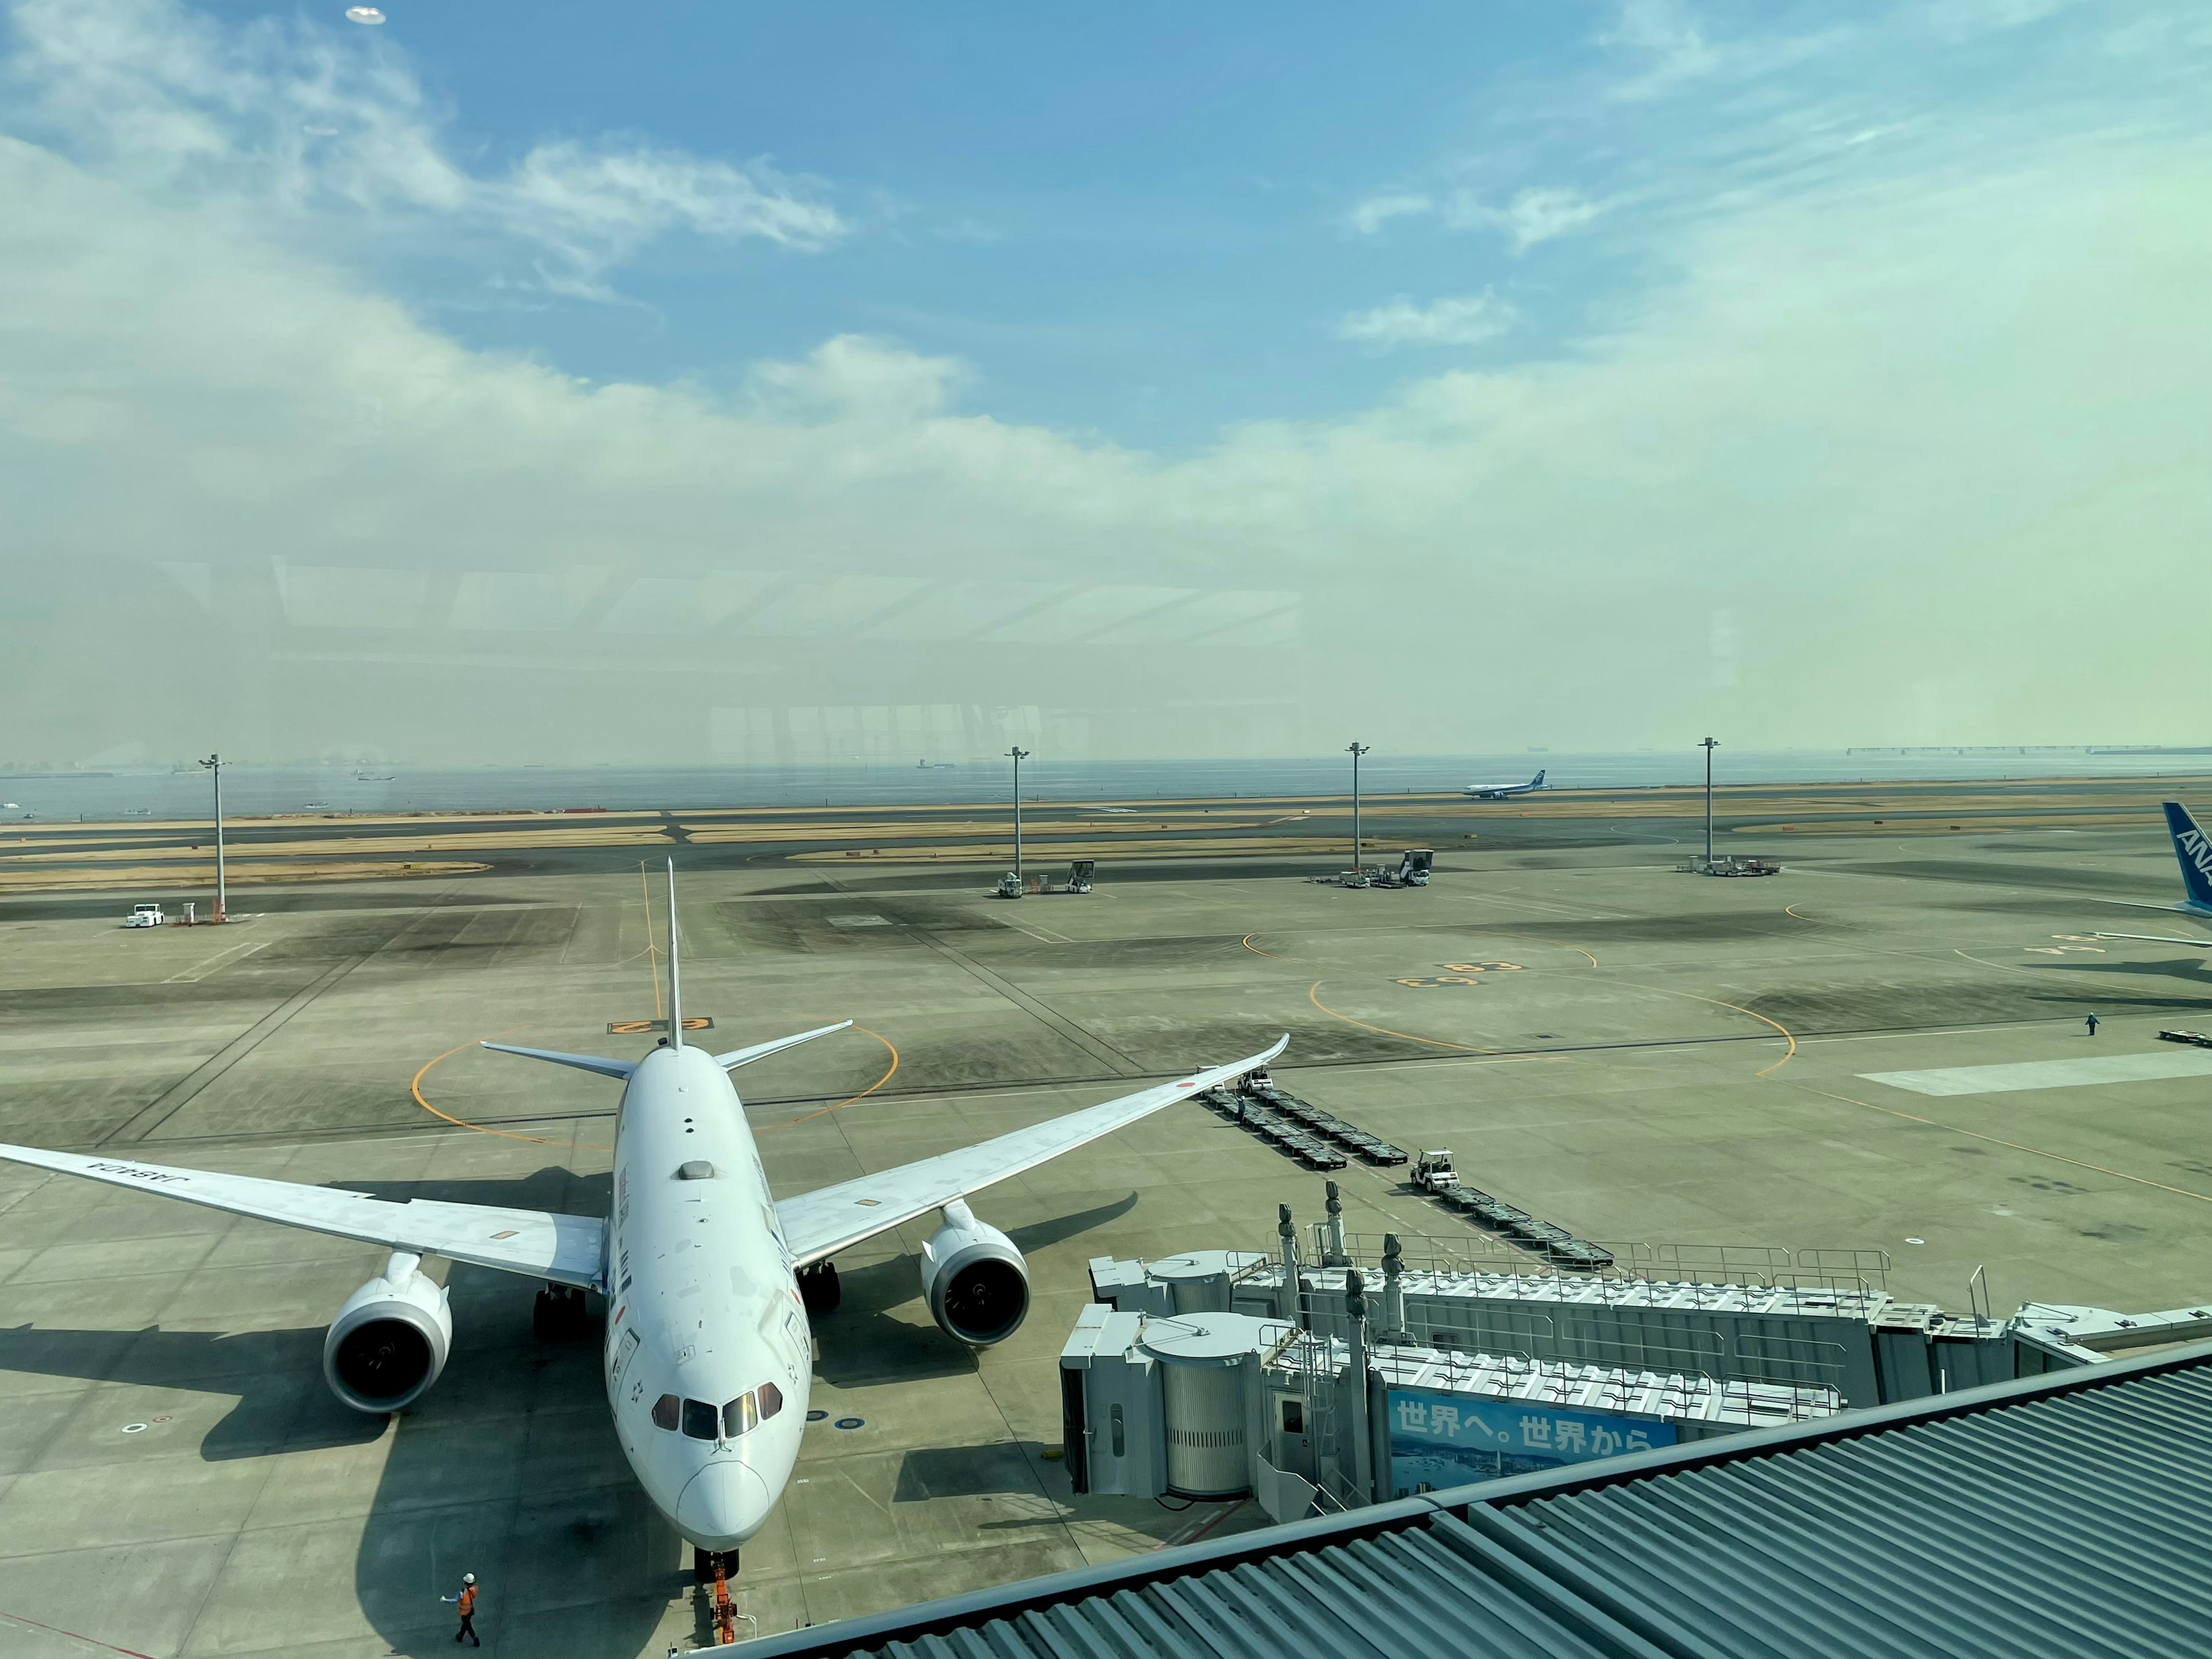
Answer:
(2194, 850)
(710, 1280)
(1502, 790)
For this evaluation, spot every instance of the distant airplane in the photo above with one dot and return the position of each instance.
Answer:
(707, 1350)
(2194, 850)
(1500, 791)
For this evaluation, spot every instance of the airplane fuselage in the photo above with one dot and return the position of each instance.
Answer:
(708, 1355)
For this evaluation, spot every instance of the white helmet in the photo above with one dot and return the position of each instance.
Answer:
(468, 1579)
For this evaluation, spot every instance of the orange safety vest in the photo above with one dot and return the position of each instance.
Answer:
(468, 1600)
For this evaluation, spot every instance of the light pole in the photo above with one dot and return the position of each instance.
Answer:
(1356, 751)
(214, 764)
(1020, 755)
(1709, 745)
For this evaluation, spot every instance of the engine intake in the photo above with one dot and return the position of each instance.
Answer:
(390, 1341)
(977, 1284)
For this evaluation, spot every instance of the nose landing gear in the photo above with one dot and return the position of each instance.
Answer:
(713, 1569)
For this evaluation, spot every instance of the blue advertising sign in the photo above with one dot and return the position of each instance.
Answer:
(1439, 1440)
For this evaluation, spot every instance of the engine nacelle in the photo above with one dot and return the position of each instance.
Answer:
(390, 1341)
(977, 1284)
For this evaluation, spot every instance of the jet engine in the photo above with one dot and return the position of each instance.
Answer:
(390, 1341)
(977, 1284)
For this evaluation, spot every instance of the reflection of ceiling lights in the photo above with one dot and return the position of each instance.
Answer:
(363, 15)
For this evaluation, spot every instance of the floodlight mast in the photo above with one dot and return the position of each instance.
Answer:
(1019, 755)
(215, 764)
(1709, 745)
(1356, 751)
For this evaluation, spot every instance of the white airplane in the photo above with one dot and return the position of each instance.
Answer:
(1501, 791)
(708, 1278)
(2194, 850)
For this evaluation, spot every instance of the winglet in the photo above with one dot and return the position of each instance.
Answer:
(675, 981)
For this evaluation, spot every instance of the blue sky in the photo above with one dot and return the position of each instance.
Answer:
(1148, 224)
(1168, 381)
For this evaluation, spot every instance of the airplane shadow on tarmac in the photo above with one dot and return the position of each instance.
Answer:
(509, 1467)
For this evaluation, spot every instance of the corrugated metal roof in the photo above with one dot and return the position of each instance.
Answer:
(2064, 1515)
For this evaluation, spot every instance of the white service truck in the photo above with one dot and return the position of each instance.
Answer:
(144, 916)
(1433, 1172)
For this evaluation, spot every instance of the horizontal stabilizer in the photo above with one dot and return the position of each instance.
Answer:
(738, 1057)
(599, 1063)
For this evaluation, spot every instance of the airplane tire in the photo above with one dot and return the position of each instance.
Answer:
(819, 1289)
(703, 1563)
(559, 1316)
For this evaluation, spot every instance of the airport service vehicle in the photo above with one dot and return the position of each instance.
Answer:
(144, 916)
(2194, 850)
(710, 1280)
(1501, 791)
(1433, 1171)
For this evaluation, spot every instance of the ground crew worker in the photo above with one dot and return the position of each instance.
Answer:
(467, 1600)
(2093, 1025)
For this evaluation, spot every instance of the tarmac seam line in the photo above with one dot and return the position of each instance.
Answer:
(1099, 1050)
(178, 1094)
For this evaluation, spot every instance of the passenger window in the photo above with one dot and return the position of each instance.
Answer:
(771, 1400)
(665, 1410)
(738, 1416)
(699, 1420)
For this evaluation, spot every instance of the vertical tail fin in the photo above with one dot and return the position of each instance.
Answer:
(675, 975)
(1537, 783)
(2195, 853)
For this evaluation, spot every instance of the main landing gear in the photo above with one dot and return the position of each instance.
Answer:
(560, 1314)
(818, 1288)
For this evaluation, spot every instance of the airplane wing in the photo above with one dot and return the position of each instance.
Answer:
(818, 1225)
(565, 1249)
(2159, 938)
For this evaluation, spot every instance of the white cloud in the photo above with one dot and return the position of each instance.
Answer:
(1667, 48)
(1371, 215)
(1533, 215)
(1667, 40)
(1902, 416)
(1469, 319)
(292, 124)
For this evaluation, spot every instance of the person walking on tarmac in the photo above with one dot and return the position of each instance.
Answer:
(467, 1601)
(2093, 1024)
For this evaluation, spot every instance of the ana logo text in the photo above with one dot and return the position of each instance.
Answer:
(2199, 851)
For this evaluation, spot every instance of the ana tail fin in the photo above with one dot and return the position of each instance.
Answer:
(1537, 783)
(2194, 852)
(674, 977)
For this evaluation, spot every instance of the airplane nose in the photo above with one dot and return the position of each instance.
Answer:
(722, 1505)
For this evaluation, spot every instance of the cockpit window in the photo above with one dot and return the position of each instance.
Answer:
(699, 1420)
(740, 1416)
(665, 1410)
(749, 1411)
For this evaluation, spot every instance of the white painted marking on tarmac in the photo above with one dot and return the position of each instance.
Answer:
(2047, 1074)
(232, 952)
